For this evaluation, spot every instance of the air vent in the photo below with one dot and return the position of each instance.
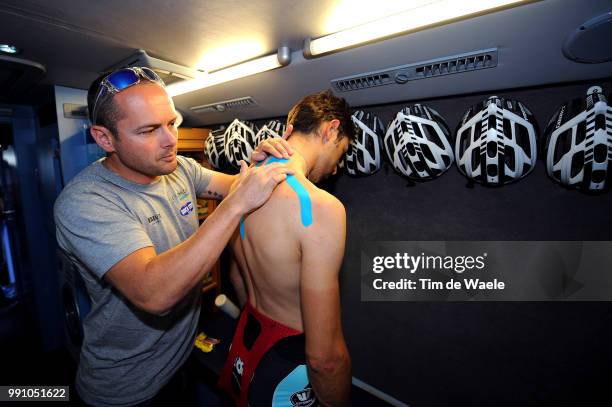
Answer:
(367, 81)
(457, 65)
(470, 61)
(233, 104)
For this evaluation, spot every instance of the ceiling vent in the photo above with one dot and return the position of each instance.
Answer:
(232, 104)
(471, 61)
(168, 71)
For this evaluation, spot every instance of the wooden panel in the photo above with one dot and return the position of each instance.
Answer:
(192, 139)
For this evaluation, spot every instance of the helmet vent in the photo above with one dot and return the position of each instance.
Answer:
(471, 61)
(232, 104)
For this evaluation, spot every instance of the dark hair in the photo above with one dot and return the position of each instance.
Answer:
(108, 113)
(308, 114)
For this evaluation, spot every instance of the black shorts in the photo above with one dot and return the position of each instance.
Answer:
(281, 378)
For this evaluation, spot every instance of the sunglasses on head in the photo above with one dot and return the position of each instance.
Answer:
(121, 80)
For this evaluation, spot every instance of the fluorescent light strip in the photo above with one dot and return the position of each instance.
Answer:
(242, 70)
(431, 13)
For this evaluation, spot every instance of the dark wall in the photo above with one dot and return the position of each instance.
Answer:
(477, 354)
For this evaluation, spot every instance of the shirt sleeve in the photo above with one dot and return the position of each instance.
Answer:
(97, 230)
(198, 174)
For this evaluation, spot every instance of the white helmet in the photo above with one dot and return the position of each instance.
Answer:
(578, 147)
(272, 129)
(496, 142)
(418, 143)
(238, 141)
(364, 154)
(214, 148)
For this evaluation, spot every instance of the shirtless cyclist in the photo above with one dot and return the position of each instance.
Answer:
(289, 338)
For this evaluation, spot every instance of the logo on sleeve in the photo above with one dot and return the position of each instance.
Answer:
(187, 209)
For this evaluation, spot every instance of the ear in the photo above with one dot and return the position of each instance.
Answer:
(103, 137)
(330, 130)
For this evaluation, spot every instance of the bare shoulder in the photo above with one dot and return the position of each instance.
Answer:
(327, 200)
(323, 242)
(327, 210)
(328, 213)
(322, 200)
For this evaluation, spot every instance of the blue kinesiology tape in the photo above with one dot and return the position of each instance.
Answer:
(303, 196)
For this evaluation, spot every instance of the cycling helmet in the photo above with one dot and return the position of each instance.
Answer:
(214, 148)
(238, 140)
(272, 129)
(496, 142)
(578, 147)
(363, 155)
(417, 143)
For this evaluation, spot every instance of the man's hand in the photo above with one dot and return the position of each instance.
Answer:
(278, 147)
(254, 185)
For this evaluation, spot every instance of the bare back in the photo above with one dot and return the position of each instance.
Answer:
(270, 255)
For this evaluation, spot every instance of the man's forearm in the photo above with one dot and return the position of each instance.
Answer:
(220, 187)
(172, 274)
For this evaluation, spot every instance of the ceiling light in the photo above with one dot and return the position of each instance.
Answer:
(228, 54)
(9, 49)
(351, 13)
(262, 64)
(434, 12)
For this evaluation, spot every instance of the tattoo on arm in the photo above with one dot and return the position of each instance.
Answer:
(214, 194)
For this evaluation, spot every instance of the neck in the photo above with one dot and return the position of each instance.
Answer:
(303, 157)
